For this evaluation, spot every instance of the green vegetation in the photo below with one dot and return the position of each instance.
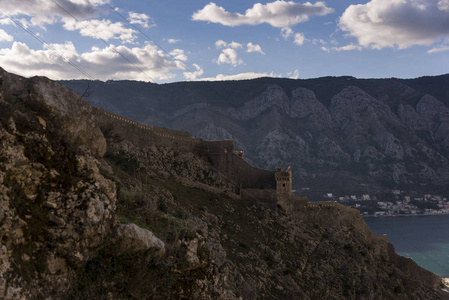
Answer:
(123, 161)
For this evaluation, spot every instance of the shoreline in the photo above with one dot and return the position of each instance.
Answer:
(387, 216)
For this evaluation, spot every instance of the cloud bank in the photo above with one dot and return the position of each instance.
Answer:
(47, 12)
(397, 23)
(100, 63)
(240, 76)
(75, 15)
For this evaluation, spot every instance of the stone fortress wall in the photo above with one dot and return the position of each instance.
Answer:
(221, 154)
(252, 184)
(143, 135)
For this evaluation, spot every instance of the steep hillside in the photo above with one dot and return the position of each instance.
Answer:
(369, 135)
(90, 208)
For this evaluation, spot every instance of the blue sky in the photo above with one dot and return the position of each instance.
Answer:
(178, 40)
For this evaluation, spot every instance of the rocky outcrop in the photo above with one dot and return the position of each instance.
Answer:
(275, 141)
(57, 209)
(432, 110)
(132, 238)
(56, 206)
(411, 118)
(273, 97)
(77, 122)
(305, 104)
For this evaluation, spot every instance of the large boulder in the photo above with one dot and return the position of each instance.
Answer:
(133, 239)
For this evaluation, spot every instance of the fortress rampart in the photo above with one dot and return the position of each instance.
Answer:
(321, 205)
(143, 135)
(221, 154)
(273, 188)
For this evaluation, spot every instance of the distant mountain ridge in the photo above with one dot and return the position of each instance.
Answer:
(339, 134)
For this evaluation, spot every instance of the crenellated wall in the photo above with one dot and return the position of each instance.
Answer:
(143, 135)
(321, 205)
(221, 154)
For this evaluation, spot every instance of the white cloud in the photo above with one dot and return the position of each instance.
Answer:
(222, 44)
(173, 41)
(438, 49)
(104, 29)
(141, 19)
(102, 64)
(47, 12)
(241, 76)
(178, 54)
(6, 21)
(443, 5)
(228, 56)
(67, 50)
(319, 41)
(195, 75)
(5, 36)
(350, 47)
(294, 74)
(397, 23)
(279, 13)
(250, 47)
(299, 39)
(286, 32)
(234, 45)
(41, 13)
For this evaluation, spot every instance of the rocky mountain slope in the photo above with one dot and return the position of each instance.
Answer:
(367, 135)
(89, 211)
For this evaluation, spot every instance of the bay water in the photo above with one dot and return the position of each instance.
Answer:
(425, 239)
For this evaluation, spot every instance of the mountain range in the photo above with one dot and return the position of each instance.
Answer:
(340, 135)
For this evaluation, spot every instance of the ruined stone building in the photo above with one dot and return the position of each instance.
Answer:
(254, 184)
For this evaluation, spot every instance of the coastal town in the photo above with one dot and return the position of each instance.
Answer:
(394, 204)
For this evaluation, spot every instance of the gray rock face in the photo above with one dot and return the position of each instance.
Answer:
(305, 103)
(132, 238)
(273, 97)
(55, 205)
(353, 102)
(286, 145)
(411, 118)
(431, 109)
(436, 117)
(79, 125)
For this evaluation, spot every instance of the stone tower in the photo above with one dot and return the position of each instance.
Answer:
(284, 188)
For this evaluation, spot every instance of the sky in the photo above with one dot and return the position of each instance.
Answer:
(185, 40)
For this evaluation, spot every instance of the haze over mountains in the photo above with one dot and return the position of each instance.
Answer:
(339, 134)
